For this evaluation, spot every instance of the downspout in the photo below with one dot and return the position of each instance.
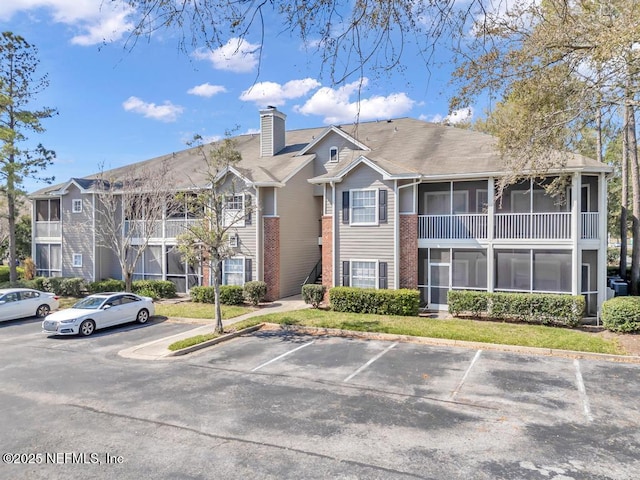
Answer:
(333, 233)
(95, 251)
(259, 266)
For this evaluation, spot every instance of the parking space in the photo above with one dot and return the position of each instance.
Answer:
(558, 389)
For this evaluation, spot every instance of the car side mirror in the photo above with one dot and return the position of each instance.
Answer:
(106, 307)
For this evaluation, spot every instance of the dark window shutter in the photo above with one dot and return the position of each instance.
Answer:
(345, 274)
(345, 207)
(382, 275)
(247, 209)
(248, 270)
(382, 204)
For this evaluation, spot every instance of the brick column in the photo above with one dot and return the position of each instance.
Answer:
(206, 270)
(409, 251)
(272, 256)
(327, 252)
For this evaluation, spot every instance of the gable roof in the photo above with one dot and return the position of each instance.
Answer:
(403, 148)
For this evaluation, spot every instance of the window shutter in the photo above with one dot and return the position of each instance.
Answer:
(382, 275)
(247, 209)
(248, 270)
(345, 274)
(345, 207)
(382, 204)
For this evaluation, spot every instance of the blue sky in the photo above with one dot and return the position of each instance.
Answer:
(117, 106)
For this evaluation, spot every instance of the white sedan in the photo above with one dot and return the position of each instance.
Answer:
(99, 311)
(25, 302)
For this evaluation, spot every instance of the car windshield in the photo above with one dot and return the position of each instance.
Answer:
(90, 303)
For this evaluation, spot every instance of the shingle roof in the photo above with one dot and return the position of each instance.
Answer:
(400, 147)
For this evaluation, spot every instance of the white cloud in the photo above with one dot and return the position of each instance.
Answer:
(271, 93)
(206, 90)
(96, 21)
(336, 107)
(237, 55)
(457, 116)
(167, 112)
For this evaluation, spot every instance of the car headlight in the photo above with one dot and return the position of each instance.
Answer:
(70, 320)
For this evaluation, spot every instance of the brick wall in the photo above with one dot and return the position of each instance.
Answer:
(272, 256)
(327, 251)
(408, 251)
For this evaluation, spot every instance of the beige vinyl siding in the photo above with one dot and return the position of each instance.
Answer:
(299, 231)
(365, 242)
(77, 233)
(322, 164)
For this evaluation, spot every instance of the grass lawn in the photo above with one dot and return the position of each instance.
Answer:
(455, 329)
(199, 310)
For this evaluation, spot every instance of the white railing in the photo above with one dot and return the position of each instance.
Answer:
(589, 225)
(175, 227)
(461, 226)
(533, 225)
(172, 228)
(48, 229)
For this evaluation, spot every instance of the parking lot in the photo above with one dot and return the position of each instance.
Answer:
(274, 404)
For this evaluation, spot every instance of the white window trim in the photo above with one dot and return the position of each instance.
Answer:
(240, 222)
(77, 260)
(376, 206)
(376, 273)
(337, 155)
(224, 265)
(76, 205)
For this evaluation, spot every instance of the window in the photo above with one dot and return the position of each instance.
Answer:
(233, 271)
(363, 274)
(233, 241)
(48, 210)
(333, 155)
(76, 206)
(482, 201)
(77, 259)
(234, 210)
(363, 207)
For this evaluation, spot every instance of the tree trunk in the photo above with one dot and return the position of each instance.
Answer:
(11, 210)
(624, 199)
(635, 181)
(128, 281)
(217, 265)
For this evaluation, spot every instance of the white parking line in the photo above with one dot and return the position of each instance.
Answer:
(369, 362)
(464, 377)
(282, 356)
(583, 392)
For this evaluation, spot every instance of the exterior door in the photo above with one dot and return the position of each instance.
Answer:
(440, 275)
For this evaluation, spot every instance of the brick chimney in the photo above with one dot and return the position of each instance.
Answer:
(272, 131)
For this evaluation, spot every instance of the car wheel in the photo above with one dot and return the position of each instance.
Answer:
(43, 310)
(87, 328)
(143, 316)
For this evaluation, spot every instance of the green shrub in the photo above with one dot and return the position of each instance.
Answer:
(53, 285)
(254, 292)
(546, 309)
(148, 292)
(471, 302)
(313, 294)
(368, 300)
(72, 287)
(4, 273)
(162, 288)
(108, 285)
(621, 314)
(229, 295)
(37, 283)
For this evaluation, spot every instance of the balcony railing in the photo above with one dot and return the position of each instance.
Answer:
(175, 227)
(507, 226)
(533, 225)
(48, 229)
(461, 226)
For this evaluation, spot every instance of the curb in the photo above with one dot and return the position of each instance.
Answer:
(213, 341)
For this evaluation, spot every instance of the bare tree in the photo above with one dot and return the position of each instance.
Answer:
(206, 241)
(130, 209)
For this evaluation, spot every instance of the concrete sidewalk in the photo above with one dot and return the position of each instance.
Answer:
(159, 349)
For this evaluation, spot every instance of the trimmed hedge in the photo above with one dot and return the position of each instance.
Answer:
(162, 288)
(4, 273)
(108, 285)
(621, 314)
(313, 294)
(229, 294)
(368, 300)
(542, 308)
(254, 292)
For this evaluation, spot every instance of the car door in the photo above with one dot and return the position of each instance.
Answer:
(10, 306)
(110, 312)
(128, 308)
(28, 303)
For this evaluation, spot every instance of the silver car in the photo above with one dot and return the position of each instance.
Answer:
(99, 311)
(25, 302)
